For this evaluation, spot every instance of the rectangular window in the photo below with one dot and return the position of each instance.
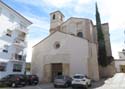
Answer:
(5, 51)
(17, 67)
(8, 32)
(3, 66)
(18, 57)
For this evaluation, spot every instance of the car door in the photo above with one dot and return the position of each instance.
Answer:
(7, 79)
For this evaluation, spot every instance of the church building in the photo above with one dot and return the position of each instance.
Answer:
(70, 48)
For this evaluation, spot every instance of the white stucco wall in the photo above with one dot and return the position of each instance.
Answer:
(119, 62)
(9, 68)
(73, 50)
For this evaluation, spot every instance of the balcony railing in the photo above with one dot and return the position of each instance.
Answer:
(20, 28)
(20, 38)
(17, 57)
(20, 44)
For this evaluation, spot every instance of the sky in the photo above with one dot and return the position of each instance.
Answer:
(37, 11)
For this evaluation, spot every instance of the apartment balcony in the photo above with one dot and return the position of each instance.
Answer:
(6, 35)
(20, 44)
(18, 57)
(20, 28)
(21, 38)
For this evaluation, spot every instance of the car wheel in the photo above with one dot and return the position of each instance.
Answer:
(86, 86)
(55, 85)
(90, 85)
(13, 84)
(66, 85)
(27, 83)
(73, 87)
(24, 85)
(35, 83)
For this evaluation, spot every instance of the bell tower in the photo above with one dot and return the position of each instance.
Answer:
(56, 19)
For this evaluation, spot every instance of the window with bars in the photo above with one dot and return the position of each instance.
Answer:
(18, 57)
(17, 67)
(3, 66)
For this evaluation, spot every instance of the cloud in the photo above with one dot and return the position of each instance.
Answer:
(38, 31)
(57, 3)
(80, 4)
(67, 5)
(112, 10)
(48, 3)
(43, 24)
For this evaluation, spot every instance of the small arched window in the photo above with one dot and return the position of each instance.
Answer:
(80, 34)
(53, 16)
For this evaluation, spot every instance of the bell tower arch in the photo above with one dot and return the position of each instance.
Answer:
(56, 19)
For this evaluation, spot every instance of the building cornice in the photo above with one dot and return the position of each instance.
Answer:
(14, 11)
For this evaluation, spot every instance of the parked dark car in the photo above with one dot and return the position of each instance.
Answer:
(62, 80)
(13, 80)
(32, 79)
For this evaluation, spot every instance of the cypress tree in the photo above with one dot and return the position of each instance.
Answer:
(102, 56)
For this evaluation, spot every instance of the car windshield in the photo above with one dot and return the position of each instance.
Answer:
(60, 77)
(78, 77)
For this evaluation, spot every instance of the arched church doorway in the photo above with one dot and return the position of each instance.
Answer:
(56, 69)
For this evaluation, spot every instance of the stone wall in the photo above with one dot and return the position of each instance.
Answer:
(108, 71)
(47, 73)
(93, 62)
(66, 69)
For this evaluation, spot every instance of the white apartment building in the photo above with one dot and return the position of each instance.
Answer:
(120, 63)
(13, 31)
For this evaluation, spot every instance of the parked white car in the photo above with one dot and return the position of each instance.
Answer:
(80, 80)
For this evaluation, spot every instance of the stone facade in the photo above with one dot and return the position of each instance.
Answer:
(72, 44)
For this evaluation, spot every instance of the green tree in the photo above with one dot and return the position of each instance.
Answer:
(102, 57)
